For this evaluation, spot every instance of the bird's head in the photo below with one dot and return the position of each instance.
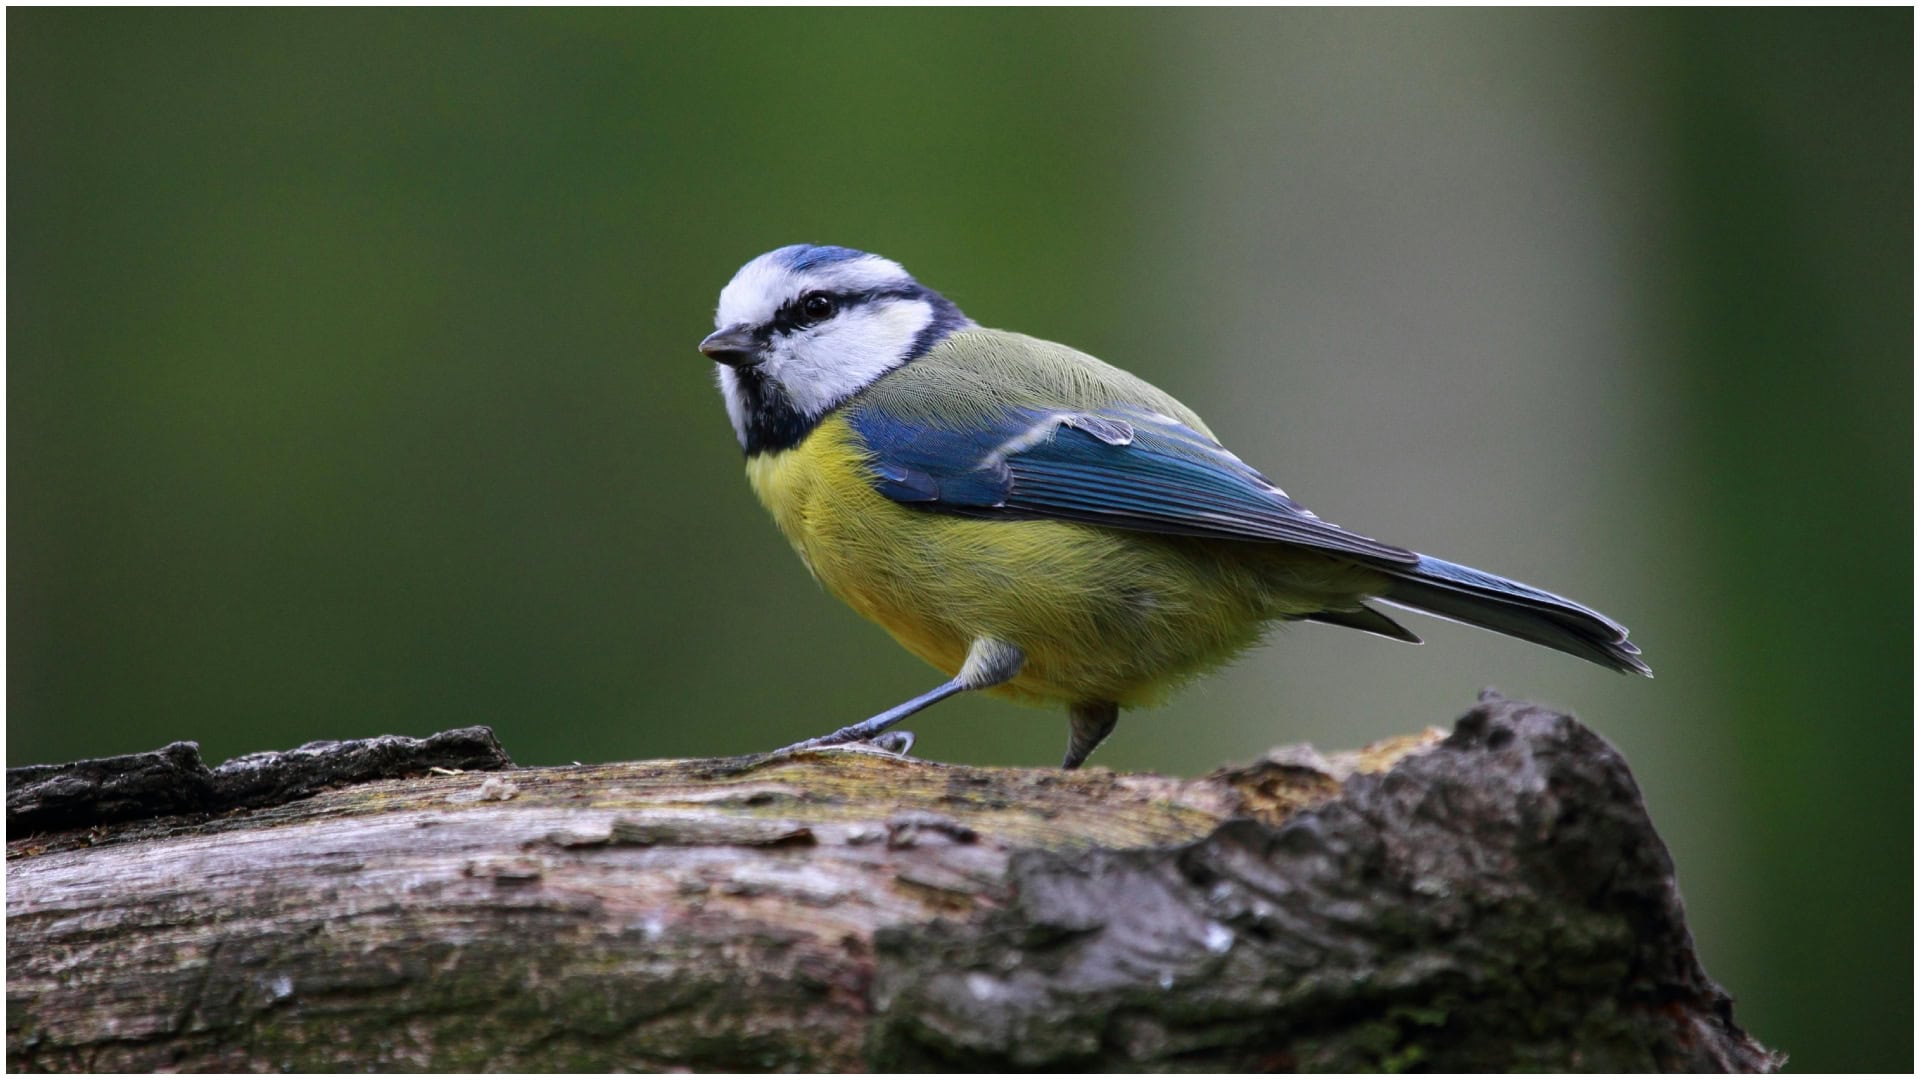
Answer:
(803, 328)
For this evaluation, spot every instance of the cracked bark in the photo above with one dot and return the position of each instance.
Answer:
(1495, 898)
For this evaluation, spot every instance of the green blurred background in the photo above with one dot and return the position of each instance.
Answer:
(352, 385)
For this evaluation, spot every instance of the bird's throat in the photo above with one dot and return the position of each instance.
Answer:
(769, 422)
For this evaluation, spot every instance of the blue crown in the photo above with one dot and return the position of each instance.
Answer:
(803, 257)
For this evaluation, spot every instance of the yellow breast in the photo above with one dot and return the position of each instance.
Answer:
(1101, 614)
(867, 550)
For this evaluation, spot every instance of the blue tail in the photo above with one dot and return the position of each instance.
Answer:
(1477, 598)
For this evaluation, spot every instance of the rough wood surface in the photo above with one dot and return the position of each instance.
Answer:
(1495, 898)
(173, 779)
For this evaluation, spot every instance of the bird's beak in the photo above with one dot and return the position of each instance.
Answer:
(733, 346)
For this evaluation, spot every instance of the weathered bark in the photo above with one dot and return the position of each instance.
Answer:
(1491, 899)
(173, 779)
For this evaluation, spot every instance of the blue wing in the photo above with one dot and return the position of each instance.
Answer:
(1120, 467)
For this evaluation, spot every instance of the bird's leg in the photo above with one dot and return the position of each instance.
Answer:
(1088, 725)
(989, 663)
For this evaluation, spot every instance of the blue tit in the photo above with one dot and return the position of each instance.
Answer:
(1038, 524)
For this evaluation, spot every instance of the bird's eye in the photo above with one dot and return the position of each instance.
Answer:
(816, 308)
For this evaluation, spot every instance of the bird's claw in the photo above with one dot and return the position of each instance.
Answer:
(897, 743)
(894, 742)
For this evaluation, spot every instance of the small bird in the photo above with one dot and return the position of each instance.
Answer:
(1036, 523)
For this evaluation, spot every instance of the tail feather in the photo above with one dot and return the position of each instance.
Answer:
(1451, 591)
(1366, 620)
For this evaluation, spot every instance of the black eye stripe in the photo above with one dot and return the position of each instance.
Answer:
(789, 317)
(791, 314)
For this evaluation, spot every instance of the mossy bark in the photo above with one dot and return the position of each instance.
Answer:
(1491, 899)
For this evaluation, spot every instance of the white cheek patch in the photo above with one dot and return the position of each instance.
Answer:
(821, 367)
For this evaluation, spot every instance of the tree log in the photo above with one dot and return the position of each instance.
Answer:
(1495, 898)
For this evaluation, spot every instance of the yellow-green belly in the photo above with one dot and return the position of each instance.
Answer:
(1101, 614)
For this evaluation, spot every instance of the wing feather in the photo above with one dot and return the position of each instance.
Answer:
(1118, 467)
